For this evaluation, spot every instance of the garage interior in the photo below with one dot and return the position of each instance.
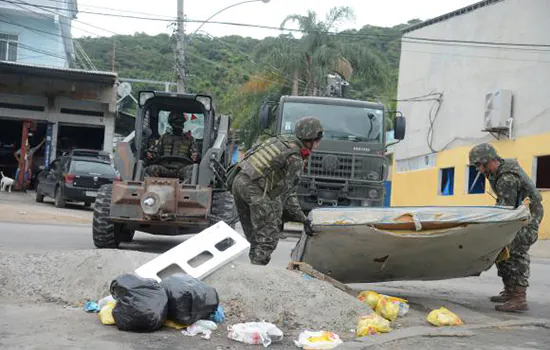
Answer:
(73, 136)
(10, 141)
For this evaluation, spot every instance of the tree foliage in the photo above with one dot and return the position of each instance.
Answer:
(241, 73)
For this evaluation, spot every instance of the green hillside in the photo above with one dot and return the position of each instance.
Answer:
(240, 72)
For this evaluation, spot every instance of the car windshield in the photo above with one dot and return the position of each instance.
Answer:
(340, 122)
(89, 167)
(194, 122)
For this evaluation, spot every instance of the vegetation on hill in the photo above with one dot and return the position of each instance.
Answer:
(241, 72)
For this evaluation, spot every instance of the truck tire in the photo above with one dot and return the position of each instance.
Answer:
(223, 209)
(104, 231)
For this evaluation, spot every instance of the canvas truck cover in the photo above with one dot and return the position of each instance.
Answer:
(363, 245)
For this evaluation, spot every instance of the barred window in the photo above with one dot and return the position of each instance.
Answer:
(8, 47)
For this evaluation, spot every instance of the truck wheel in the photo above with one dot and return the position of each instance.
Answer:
(59, 200)
(126, 235)
(223, 209)
(104, 231)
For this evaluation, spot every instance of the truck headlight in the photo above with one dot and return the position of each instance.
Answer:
(373, 194)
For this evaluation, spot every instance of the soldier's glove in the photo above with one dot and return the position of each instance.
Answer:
(307, 228)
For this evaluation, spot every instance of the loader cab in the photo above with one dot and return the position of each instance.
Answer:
(152, 121)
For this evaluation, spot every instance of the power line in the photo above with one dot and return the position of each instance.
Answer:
(494, 43)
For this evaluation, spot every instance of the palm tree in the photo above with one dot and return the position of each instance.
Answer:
(319, 52)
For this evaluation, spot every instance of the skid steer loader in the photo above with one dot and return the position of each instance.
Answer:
(167, 206)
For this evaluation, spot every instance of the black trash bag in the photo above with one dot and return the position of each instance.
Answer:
(189, 299)
(141, 304)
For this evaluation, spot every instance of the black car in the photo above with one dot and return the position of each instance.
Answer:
(74, 178)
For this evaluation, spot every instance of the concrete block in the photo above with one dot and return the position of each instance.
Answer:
(200, 255)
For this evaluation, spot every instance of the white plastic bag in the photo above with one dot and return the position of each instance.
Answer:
(263, 333)
(105, 301)
(318, 340)
(203, 327)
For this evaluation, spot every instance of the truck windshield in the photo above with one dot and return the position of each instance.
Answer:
(340, 122)
(194, 123)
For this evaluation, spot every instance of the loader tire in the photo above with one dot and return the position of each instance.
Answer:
(104, 231)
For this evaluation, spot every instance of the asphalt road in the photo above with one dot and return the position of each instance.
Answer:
(468, 297)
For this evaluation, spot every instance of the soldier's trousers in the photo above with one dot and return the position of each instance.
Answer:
(260, 218)
(516, 269)
(184, 173)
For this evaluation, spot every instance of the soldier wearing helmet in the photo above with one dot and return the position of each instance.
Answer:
(511, 186)
(176, 143)
(269, 172)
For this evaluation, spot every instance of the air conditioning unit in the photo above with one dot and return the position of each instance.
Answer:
(498, 110)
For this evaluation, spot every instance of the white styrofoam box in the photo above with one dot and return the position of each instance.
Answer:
(205, 241)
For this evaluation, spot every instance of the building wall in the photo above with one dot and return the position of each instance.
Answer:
(35, 46)
(464, 74)
(421, 187)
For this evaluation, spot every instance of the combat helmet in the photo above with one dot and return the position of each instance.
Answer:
(308, 129)
(176, 120)
(483, 154)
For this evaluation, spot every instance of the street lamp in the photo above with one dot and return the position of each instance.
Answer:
(226, 8)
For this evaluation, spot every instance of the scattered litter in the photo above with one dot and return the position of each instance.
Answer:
(105, 300)
(142, 304)
(106, 313)
(218, 316)
(372, 324)
(91, 306)
(189, 299)
(318, 340)
(369, 297)
(387, 306)
(23, 212)
(203, 327)
(174, 325)
(307, 277)
(255, 333)
(443, 317)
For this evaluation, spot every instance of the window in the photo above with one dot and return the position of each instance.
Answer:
(8, 47)
(447, 181)
(476, 181)
(542, 172)
(80, 166)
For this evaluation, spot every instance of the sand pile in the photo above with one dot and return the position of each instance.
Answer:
(247, 292)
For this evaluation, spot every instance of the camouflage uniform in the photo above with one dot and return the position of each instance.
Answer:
(511, 186)
(268, 173)
(174, 145)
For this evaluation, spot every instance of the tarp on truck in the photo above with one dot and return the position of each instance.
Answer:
(363, 245)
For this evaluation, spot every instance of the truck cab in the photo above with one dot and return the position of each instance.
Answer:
(349, 167)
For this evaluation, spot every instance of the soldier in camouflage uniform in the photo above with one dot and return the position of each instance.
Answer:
(511, 185)
(268, 174)
(177, 143)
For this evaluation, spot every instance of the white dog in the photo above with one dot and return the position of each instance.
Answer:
(6, 182)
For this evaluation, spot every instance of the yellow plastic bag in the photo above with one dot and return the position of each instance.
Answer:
(372, 324)
(443, 317)
(369, 297)
(387, 308)
(174, 325)
(106, 313)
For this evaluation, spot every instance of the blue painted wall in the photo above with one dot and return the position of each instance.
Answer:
(36, 46)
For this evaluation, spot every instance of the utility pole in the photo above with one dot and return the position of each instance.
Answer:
(114, 53)
(180, 53)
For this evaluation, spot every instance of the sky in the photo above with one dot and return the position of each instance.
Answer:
(385, 13)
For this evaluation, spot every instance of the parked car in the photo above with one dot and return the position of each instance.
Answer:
(91, 153)
(73, 178)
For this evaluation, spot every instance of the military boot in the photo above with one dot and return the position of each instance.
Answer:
(505, 294)
(517, 301)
